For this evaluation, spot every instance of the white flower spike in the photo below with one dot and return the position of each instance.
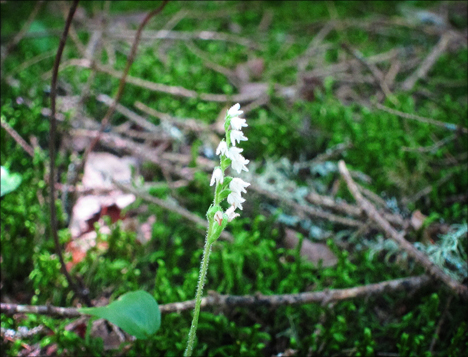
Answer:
(235, 200)
(237, 135)
(234, 111)
(238, 185)
(222, 148)
(217, 176)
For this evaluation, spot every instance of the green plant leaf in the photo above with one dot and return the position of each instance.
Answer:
(9, 182)
(137, 313)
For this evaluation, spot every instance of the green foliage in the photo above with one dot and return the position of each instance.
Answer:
(384, 146)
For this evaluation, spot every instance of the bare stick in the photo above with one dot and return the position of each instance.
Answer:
(172, 207)
(227, 301)
(311, 211)
(123, 78)
(346, 208)
(137, 119)
(186, 36)
(186, 123)
(430, 60)
(420, 257)
(174, 90)
(17, 137)
(441, 322)
(80, 291)
(378, 75)
(441, 124)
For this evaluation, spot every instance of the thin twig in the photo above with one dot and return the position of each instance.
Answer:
(82, 292)
(346, 208)
(441, 124)
(174, 208)
(430, 60)
(173, 90)
(427, 190)
(419, 256)
(186, 123)
(378, 75)
(311, 211)
(186, 36)
(130, 59)
(137, 119)
(441, 322)
(228, 301)
(17, 137)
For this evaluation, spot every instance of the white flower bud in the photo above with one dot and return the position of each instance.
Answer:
(234, 111)
(218, 217)
(217, 176)
(230, 213)
(222, 148)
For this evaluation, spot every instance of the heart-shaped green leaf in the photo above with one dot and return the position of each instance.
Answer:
(9, 182)
(137, 313)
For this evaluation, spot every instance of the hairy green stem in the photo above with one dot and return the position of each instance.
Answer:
(198, 298)
(203, 270)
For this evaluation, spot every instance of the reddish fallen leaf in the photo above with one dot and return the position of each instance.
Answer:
(314, 252)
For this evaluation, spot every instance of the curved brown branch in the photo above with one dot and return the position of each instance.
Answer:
(80, 291)
(213, 299)
(420, 257)
(123, 80)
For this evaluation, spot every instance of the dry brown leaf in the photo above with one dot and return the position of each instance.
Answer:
(314, 252)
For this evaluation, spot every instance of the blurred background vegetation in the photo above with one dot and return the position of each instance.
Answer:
(322, 80)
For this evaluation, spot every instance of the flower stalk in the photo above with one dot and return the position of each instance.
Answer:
(226, 188)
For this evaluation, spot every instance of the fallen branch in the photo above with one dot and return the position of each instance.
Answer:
(190, 124)
(17, 137)
(213, 299)
(420, 257)
(348, 209)
(184, 36)
(430, 60)
(376, 73)
(134, 117)
(311, 211)
(172, 207)
(156, 87)
(77, 287)
(122, 82)
(441, 124)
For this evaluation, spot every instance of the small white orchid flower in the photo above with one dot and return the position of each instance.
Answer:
(238, 185)
(218, 217)
(217, 176)
(222, 148)
(233, 152)
(235, 200)
(234, 111)
(237, 123)
(238, 162)
(231, 214)
(237, 135)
